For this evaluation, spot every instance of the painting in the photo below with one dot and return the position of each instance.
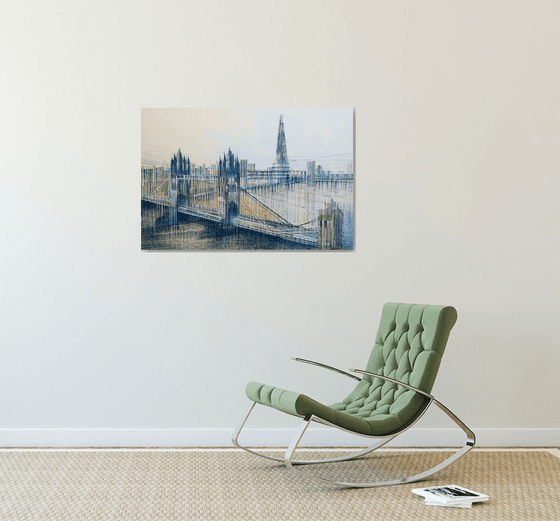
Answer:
(247, 179)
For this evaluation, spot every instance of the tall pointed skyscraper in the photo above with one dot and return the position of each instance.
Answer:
(281, 165)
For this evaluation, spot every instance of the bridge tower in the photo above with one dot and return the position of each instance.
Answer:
(228, 188)
(281, 165)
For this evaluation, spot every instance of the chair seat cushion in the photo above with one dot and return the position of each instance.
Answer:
(298, 404)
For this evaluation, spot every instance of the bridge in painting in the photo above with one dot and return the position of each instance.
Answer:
(240, 201)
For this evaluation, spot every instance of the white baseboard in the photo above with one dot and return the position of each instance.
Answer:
(314, 437)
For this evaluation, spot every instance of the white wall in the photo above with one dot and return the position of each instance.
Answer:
(457, 202)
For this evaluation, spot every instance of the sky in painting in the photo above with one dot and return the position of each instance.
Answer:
(324, 135)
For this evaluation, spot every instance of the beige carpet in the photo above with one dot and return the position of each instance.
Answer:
(77, 486)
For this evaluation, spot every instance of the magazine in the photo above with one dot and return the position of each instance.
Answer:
(450, 495)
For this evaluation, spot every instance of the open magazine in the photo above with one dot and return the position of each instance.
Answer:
(450, 495)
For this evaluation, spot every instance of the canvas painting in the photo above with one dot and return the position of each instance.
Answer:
(247, 179)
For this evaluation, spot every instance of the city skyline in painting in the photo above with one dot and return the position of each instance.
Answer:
(220, 179)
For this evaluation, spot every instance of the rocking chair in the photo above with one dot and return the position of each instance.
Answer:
(392, 395)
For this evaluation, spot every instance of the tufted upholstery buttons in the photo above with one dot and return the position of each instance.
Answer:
(402, 351)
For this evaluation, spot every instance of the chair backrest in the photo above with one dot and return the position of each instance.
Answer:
(408, 347)
(410, 342)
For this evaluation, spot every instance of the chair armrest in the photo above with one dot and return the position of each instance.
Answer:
(330, 368)
(394, 381)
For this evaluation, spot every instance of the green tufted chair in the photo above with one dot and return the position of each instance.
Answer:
(392, 393)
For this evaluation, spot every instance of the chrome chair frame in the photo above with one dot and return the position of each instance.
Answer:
(289, 462)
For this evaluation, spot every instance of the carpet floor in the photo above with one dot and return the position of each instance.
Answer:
(231, 485)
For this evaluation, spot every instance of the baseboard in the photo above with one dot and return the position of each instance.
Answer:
(314, 437)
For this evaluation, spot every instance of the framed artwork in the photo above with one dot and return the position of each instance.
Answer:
(247, 179)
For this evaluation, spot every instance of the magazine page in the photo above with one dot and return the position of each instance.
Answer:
(450, 494)
(438, 504)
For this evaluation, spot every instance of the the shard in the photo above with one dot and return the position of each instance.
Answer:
(281, 165)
